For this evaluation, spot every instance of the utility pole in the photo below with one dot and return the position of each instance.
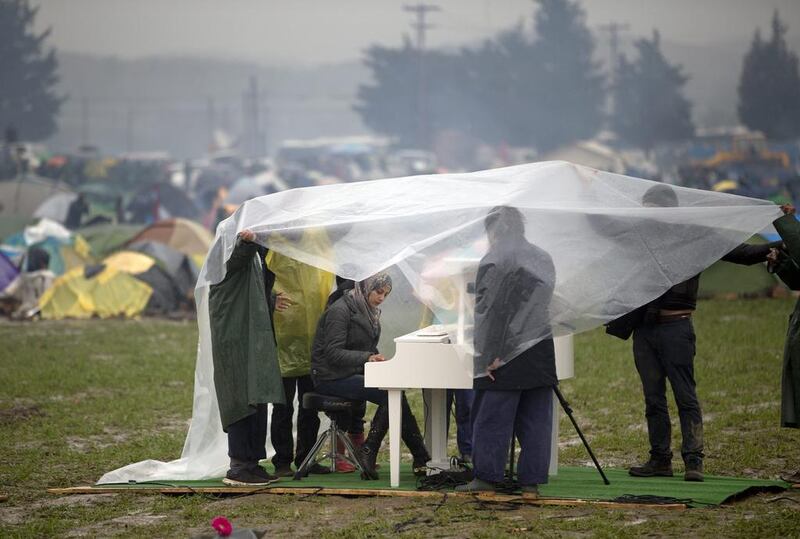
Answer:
(614, 30)
(421, 11)
(251, 128)
(84, 121)
(211, 116)
(129, 126)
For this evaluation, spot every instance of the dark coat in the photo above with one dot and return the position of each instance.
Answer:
(788, 269)
(513, 290)
(343, 343)
(246, 371)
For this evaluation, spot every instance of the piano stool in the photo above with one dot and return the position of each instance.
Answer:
(336, 408)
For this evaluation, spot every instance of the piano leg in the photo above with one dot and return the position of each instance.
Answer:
(438, 424)
(395, 420)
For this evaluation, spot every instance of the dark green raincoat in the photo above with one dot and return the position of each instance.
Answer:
(246, 371)
(788, 269)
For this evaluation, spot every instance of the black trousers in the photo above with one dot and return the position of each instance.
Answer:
(247, 437)
(281, 428)
(664, 352)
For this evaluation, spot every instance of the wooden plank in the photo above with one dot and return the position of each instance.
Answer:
(488, 497)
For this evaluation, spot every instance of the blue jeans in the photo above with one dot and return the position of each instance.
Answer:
(495, 415)
(463, 399)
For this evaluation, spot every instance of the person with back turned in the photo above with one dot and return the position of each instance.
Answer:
(513, 287)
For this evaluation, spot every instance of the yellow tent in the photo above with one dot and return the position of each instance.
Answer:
(724, 186)
(110, 292)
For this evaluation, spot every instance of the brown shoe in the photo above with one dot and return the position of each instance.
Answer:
(694, 470)
(652, 468)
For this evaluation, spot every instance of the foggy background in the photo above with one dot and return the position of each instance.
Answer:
(157, 75)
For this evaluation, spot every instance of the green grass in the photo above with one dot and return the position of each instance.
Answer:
(81, 398)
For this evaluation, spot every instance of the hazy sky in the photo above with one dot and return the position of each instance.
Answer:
(319, 31)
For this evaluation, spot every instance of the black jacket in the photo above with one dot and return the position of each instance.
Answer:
(343, 342)
(684, 295)
(513, 290)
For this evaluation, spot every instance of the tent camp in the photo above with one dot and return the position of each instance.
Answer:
(611, 253)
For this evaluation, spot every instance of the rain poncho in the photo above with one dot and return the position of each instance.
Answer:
(308, 288)
(429, 232)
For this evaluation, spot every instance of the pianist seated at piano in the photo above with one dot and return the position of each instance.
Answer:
(346, 339)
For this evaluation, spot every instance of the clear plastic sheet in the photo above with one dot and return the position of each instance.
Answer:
(611, 254)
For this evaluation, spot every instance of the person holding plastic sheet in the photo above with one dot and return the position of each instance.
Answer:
(246, 373)
(785, 263)
(294, 330)
(664, 349)
(513, 290)
(346, 339)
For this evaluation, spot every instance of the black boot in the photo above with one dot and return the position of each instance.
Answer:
(413, 439)
(369, 451)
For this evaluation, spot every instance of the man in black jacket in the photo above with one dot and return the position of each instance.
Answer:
(514, 356)
(664, 349)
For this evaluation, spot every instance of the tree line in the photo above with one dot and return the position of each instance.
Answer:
(537, 89)
(544, 89)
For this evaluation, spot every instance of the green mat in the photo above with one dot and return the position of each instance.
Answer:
(570, 483)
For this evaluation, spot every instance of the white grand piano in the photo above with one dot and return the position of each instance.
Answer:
(428, 360)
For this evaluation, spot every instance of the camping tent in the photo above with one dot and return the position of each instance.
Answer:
(89, 291)
(56, 207)
(8, 271)
(125, 284)
(104, 239)
(23, 196)
(179, 266)
(67, 250)
(611, 253)
(183, 235)
(165, 297)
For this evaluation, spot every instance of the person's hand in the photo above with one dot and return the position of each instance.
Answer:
(282, 302)
(772, 256)
(376, 357)
(787, 209)
(247, 235)
(493, 366)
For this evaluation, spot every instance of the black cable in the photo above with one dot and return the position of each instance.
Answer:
(653, 500)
